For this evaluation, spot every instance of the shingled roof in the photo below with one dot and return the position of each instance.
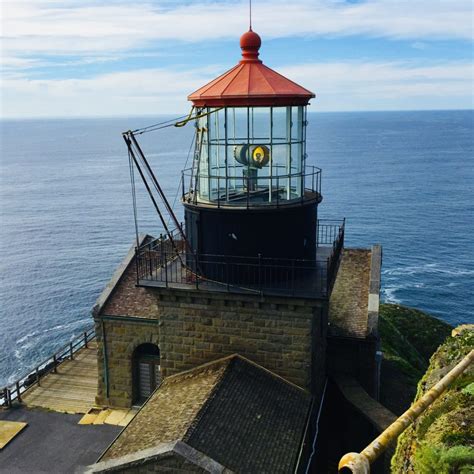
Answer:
(232, 411)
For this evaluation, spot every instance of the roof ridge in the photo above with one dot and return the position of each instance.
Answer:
(266, 80)
(117, 276)
(242, 67)
(200, 368)
(273, 374)
(212, 394)
(207, 86)
(288, 80)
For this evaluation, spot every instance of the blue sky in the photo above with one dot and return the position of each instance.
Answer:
(92, 58)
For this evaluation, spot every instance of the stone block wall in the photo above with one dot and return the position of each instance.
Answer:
(286, 336)
(355, 357)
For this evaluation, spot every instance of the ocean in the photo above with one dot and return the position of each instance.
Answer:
(402, 179)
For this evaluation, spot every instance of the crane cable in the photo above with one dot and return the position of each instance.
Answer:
(177, 189)
(177, 122)
(131, 137)
(134, 195)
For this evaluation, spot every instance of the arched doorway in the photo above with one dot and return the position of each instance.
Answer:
(146, 371)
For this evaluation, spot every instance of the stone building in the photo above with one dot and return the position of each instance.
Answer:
(253, 280)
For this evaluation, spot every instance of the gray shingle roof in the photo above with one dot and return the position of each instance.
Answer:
(253, 422)
(234, 411)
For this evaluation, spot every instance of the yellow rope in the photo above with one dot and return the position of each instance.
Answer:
(182, 123)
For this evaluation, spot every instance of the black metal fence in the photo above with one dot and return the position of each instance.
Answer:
(15, 390)
(158, 263)
(336, 252)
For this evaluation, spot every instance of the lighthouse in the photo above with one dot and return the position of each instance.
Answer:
(253, 272)
(250, 193)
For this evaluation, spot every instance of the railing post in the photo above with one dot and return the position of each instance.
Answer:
(9, 398)
(150, 266)
(137, 264)
(38, 377)
(18, 394)
(227, 271)
(328, 276)
(85, 339)
(293, 277)
(71, 351)
(162, 259)
(166, 272)
(55, 364)
(196, 259)
(5, 397)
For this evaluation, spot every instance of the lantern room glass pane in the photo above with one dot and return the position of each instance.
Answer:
(250, 155)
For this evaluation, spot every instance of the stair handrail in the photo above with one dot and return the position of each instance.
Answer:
(359, 463)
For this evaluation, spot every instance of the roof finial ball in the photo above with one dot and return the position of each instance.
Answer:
(250, 43)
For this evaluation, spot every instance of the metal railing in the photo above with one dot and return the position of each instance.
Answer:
(161, 264)
(252, 190)
(15, 390)
(336, 252)
(230, 272)
(328, 231)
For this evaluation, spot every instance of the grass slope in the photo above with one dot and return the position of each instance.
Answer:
(441, 441)
(409, 338)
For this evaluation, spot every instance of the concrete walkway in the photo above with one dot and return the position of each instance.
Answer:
(53, 443)
(353, 392)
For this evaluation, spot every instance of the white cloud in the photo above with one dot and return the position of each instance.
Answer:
(386, 86)
(85, 27)
(93, 31)
(339, 86)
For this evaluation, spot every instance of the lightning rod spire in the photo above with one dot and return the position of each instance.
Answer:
(250, 15)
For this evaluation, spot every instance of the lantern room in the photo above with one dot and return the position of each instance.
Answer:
(251, 136)
(250, 192)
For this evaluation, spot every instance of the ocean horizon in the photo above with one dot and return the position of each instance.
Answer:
(403, 179)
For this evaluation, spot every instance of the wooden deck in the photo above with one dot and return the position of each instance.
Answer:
(72, 389)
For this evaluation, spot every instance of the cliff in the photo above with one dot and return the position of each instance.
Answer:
(409, 337)
(442, 438)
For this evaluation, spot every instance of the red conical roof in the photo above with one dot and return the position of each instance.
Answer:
(250, 83)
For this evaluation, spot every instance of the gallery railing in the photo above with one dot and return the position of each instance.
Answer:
(159, 263)
(251, 189)
(15, 390)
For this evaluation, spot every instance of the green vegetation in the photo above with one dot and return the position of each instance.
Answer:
(409, 338)
(416, 332)
(441, 441)
(440, 461)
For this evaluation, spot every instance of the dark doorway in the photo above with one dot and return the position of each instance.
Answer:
(146, 371)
